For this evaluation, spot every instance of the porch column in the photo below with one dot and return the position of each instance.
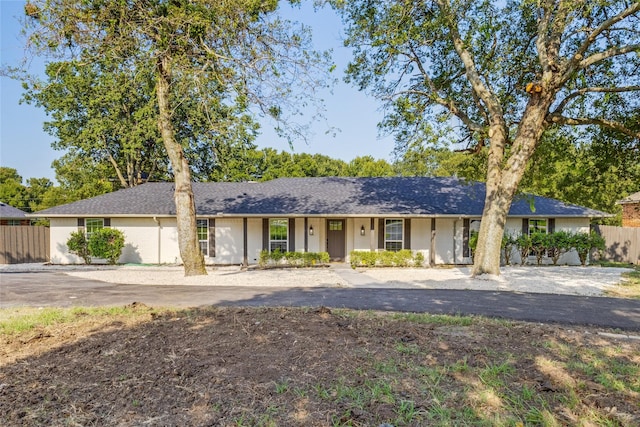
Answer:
(245, 244)
(432, 248)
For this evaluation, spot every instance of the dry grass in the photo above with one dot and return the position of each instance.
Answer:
(308, 367)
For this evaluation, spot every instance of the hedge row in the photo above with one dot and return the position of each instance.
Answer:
(403, 258)
(551, 245)
(302, 259)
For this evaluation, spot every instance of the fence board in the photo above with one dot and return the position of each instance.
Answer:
(622, 243)
(24, 244)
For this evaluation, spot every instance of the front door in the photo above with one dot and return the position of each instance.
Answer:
(336, 239)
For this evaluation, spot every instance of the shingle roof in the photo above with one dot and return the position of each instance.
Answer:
(633, 198)
(7, 211)
(317, 196)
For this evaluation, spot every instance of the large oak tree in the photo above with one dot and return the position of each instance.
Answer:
(214, 52)
(497, 76)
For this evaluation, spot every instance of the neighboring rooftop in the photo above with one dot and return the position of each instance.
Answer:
(317, 197)
(633, 198)
(9, 212)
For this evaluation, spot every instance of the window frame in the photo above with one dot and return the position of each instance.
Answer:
(533, 225)
(203, 239)
(91, 226)
(276, 240)
(393, 244)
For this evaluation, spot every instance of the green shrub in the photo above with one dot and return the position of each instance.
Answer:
(106, 243)
(306, 259)
(584, 243)
(509, 243)
(402, 258)
(558, 244)
(523, 242)
(78, 245)
(539, 245)
(473, 241)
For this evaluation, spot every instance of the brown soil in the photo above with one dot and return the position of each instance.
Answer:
(296, 367)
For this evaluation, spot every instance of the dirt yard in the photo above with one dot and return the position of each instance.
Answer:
(295, 367)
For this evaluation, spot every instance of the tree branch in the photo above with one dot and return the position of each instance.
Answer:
(495, 110)
(577, 62)
(582, 91)
(635, 7)
(614, 51)
(447, 103)
(584, 121)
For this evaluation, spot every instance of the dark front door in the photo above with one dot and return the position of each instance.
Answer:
(336, 239)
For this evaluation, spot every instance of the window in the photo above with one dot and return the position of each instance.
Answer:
(393, 234)
(335, 225)
(13, 222)
(203, 235)
(92, 225)
(278, 232)
(537, 226)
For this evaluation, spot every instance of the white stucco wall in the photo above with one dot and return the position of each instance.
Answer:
(444, 241)
(421, 237)
(143, 237)
(229, 241)
(59, 231)
(155, 241)
(573, 225)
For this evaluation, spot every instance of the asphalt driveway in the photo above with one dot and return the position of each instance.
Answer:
(56, 289)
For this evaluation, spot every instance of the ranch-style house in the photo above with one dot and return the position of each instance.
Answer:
(236, 221)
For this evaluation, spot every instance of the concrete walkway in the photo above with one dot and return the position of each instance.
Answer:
(56, 289)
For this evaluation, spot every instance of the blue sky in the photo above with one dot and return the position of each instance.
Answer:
(27, 148)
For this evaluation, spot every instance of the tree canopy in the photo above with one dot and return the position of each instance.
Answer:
(495, 77)
(208, 61)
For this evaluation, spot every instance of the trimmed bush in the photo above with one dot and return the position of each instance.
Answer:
(558, 244)
(302, 259)
(539, 245)
(402, 258)
(584, 243)
(78, 245)
(106, 243)
(523, 242)
(509, 243)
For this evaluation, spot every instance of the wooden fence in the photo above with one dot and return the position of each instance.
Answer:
(23, 244)
(622, 243)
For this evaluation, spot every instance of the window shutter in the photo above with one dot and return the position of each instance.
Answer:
(265, 234)
(212, 237)
(551, 222)
(525, 226)
(106, 222)
(465, 237)
(80, 223)
(407, 233)
(381, 233)
(292, 234)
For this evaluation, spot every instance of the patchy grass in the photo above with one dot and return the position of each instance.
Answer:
(304, 367)
(629, 287)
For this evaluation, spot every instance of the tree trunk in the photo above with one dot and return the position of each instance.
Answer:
(190, 253)
(503, 179)
(486, 259)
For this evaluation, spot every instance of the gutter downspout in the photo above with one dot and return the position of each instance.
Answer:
(157, 221)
